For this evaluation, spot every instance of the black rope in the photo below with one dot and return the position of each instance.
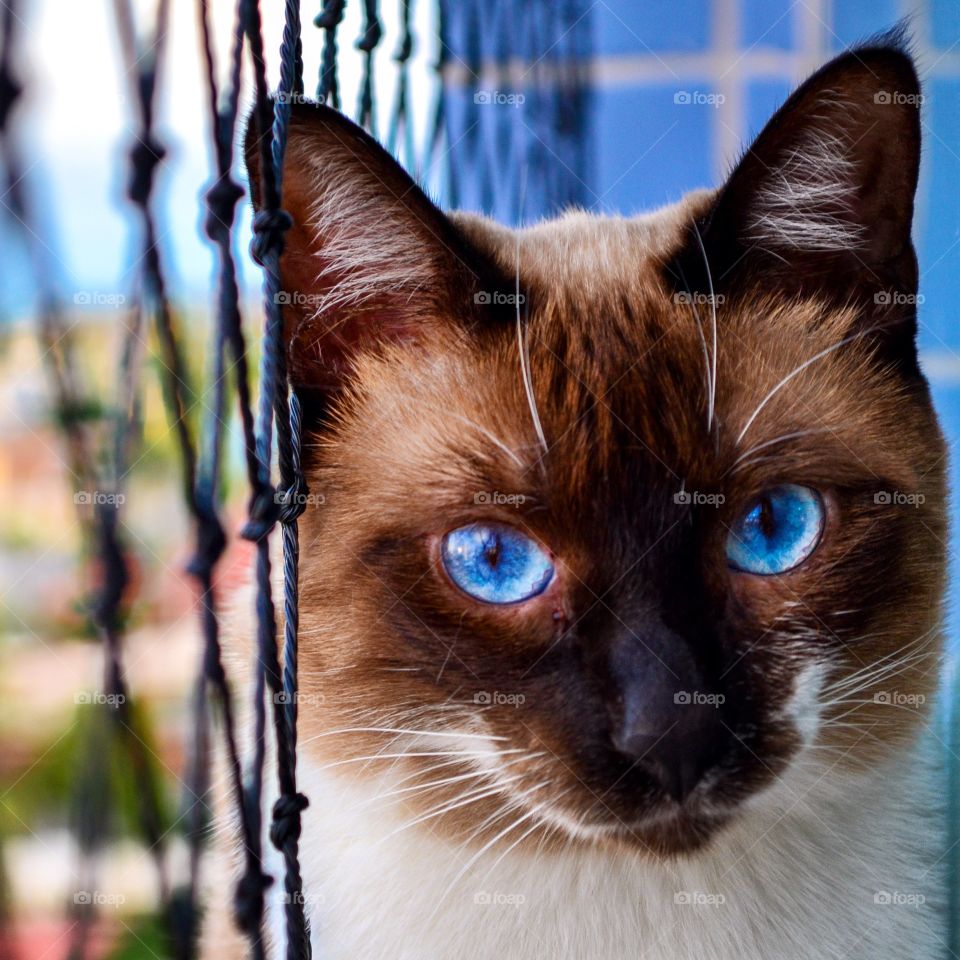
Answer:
(400, 127)
(221, 201)
(367, 44)
(270, 226)
(436, 159)
(278, 410)
(145, 157)
(328, 88)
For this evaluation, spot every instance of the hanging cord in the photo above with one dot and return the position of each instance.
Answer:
(369, 39)
(270, 226)
(400, 126)
(221, 200)
(328, 88)
(145, 156)
(437, 163)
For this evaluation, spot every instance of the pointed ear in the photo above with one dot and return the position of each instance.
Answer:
(822, 202)
(369, 258)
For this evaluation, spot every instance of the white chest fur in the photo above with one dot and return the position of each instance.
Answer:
(818, 868)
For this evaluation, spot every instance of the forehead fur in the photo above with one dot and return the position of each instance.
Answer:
(582, 257)
(623, 369)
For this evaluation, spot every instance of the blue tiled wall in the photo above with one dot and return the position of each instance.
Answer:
(674, 26)
(768, 23)
(636, 171)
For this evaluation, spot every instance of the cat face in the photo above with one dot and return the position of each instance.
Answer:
(621, 517)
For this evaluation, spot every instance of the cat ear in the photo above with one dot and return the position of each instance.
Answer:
(369, 258)
(822, 202)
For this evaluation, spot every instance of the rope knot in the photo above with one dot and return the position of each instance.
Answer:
(286, 818)
(248, 899)
(221, 199)
(404, 50)
(330, 16)
(292, 501)
(264, 511)
(144, 159)
(269, 227)
(371, 36)
(10, 90)
(211, 542)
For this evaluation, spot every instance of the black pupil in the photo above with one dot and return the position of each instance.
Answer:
(767, 519)
(491, 551)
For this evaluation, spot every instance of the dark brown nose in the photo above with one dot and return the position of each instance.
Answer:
(663, 716)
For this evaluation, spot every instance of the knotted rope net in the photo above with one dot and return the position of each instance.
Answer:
(474, 45)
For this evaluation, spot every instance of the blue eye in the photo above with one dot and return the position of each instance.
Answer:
(780, 529)
(495, 563)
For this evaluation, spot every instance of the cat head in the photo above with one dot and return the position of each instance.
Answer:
(617, 518)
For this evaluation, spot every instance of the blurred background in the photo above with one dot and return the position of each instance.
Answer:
(518, 108)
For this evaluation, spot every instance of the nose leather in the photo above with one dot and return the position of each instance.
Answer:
(663, 717)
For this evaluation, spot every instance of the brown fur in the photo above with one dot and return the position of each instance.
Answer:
(419, 408)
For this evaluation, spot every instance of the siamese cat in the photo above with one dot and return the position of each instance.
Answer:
(620, 615)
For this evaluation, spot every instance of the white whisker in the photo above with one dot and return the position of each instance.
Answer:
(471, 796)
(419, 753)
(525, 362)
(803, 366)
(712, 374)
(513, 826)
(781, 439)
(442, 782)
(405, 730)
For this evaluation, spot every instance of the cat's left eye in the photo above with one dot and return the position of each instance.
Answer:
(777, 532)
(496, 563)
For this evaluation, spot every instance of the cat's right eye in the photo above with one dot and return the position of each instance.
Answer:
(496, 563)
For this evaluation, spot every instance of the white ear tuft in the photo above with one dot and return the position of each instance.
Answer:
(806, 202)
(369, 258)
(364, 249)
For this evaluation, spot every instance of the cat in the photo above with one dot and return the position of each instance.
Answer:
(620, 614)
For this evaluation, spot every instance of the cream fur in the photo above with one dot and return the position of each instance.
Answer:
(803, 875)
(799, 878)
